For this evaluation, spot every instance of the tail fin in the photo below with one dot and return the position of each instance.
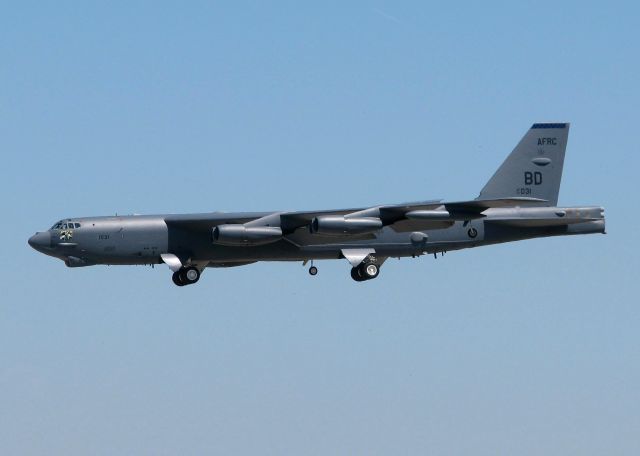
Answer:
(534, 168)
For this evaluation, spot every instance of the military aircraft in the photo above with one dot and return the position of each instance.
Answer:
(519, 202)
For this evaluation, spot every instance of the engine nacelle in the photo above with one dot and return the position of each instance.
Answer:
(338, 225)
(238, 235)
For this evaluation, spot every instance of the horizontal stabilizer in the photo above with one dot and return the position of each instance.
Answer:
(538, 222)
(547, 217)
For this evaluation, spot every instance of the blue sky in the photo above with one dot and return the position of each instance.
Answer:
(150, 107)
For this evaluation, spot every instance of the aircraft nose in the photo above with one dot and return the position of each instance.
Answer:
(40, 240)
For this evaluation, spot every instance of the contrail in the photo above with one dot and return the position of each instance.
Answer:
(387, 16)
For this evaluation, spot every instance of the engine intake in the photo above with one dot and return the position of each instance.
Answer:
(238, 235)
(338, 225)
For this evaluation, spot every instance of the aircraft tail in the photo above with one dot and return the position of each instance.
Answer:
(534, 167)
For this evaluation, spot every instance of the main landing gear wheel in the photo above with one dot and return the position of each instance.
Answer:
(369, 270)
(176, 279)
(186, 276)
(189, 275)
(366, 271)
(355, 275)
(313, 270)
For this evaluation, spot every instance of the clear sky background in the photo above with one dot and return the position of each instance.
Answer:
(149, 107)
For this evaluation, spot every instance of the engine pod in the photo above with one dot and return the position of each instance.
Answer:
(338, 225)
(241, 235)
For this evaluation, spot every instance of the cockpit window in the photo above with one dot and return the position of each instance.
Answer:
(64, 226)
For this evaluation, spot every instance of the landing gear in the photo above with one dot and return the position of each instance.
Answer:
(190, 275)
(369, 270)
(312, 270)
(176, 279)
(365, 271)
(186, 276)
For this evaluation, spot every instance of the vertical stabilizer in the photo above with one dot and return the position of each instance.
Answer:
(534, 167)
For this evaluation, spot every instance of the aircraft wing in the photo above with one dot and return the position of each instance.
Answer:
(291, 221)
(415, 216)
(480, 205)
(210, 219)
(443, 215)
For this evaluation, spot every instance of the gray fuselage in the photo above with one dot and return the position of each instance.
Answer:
(518, 202)
(142, 239)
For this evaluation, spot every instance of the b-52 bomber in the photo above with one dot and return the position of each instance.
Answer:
(519, 202)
